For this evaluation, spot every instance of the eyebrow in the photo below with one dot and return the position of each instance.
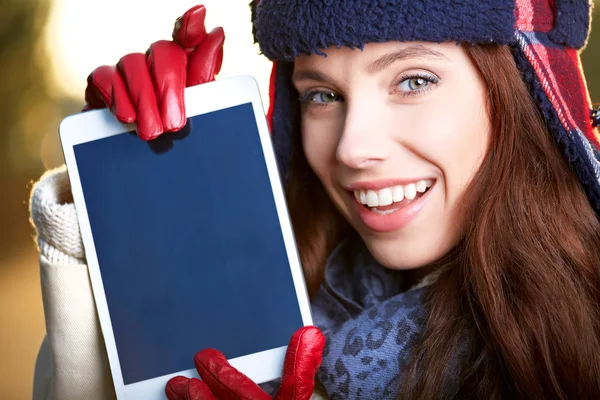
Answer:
(310, 75)
(414, 51)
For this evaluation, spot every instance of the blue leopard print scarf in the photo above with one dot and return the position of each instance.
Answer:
(371, 324)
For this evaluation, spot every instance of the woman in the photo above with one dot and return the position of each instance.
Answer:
(444, 197)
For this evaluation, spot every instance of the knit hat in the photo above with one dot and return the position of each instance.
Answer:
(545, 35)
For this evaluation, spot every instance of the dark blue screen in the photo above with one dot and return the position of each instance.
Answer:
(189, 244)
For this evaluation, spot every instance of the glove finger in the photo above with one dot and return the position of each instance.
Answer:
(135, 73)
(182, 388)
(189, 30)
(167, 63)
(205, 62)
(198, 390)
(105, 88)
(302, 360)
(176, 388)
(226, 382)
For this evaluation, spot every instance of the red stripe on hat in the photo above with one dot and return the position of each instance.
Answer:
(534, 15)
(272, 80)
(559, 72)
(584, 99)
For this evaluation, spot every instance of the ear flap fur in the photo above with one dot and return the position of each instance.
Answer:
(572, 21)
(253, 11)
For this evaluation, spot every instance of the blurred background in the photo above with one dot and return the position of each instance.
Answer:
(47, 49)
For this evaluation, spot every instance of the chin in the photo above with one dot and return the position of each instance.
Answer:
(406, 256)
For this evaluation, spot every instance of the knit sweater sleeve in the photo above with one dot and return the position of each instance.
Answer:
(72, 363)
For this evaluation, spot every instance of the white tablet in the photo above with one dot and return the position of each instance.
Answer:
(188, 239)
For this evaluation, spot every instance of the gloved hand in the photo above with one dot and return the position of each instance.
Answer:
(147, 89)
(221, 381)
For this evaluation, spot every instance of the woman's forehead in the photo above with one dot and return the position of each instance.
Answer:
(378, 56)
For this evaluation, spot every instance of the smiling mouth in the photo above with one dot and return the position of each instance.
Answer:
(388, 200)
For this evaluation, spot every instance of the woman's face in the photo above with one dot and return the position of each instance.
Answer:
(395, 133)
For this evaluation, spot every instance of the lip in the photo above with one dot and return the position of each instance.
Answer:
(384, 183)
(394, 221)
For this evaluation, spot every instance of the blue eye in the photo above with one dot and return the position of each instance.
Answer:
(320, 97)
(416, 83)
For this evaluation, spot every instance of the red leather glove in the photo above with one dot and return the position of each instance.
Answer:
(148, 88)
(221, 381)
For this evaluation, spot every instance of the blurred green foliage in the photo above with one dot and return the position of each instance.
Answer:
(21, 27)
(23, 85)
(29, 113)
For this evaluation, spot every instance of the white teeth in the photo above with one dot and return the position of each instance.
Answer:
(372, 199)
(363, 196)
(385, 197)
(398, 193)
(410, 191)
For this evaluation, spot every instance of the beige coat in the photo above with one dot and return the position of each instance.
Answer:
(72, 362)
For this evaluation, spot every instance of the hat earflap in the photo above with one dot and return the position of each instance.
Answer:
(572, 21)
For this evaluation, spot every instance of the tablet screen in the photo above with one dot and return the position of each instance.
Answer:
(189, 244)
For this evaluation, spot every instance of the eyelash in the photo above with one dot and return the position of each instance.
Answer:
(306, 98)
(429, 78)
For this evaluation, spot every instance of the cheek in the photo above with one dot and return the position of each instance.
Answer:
(319, 141)
(472, 136)
(456, 140)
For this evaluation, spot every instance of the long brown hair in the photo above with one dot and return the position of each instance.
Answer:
(523, 292)
(318, 226)
(516, 311)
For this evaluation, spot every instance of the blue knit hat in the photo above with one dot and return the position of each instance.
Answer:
(546, 36)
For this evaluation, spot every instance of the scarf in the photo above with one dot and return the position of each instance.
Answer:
(371, 323)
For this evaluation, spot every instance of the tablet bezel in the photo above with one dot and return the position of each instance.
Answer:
(80, 128)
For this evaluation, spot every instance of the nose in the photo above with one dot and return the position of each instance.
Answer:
(363, 140)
